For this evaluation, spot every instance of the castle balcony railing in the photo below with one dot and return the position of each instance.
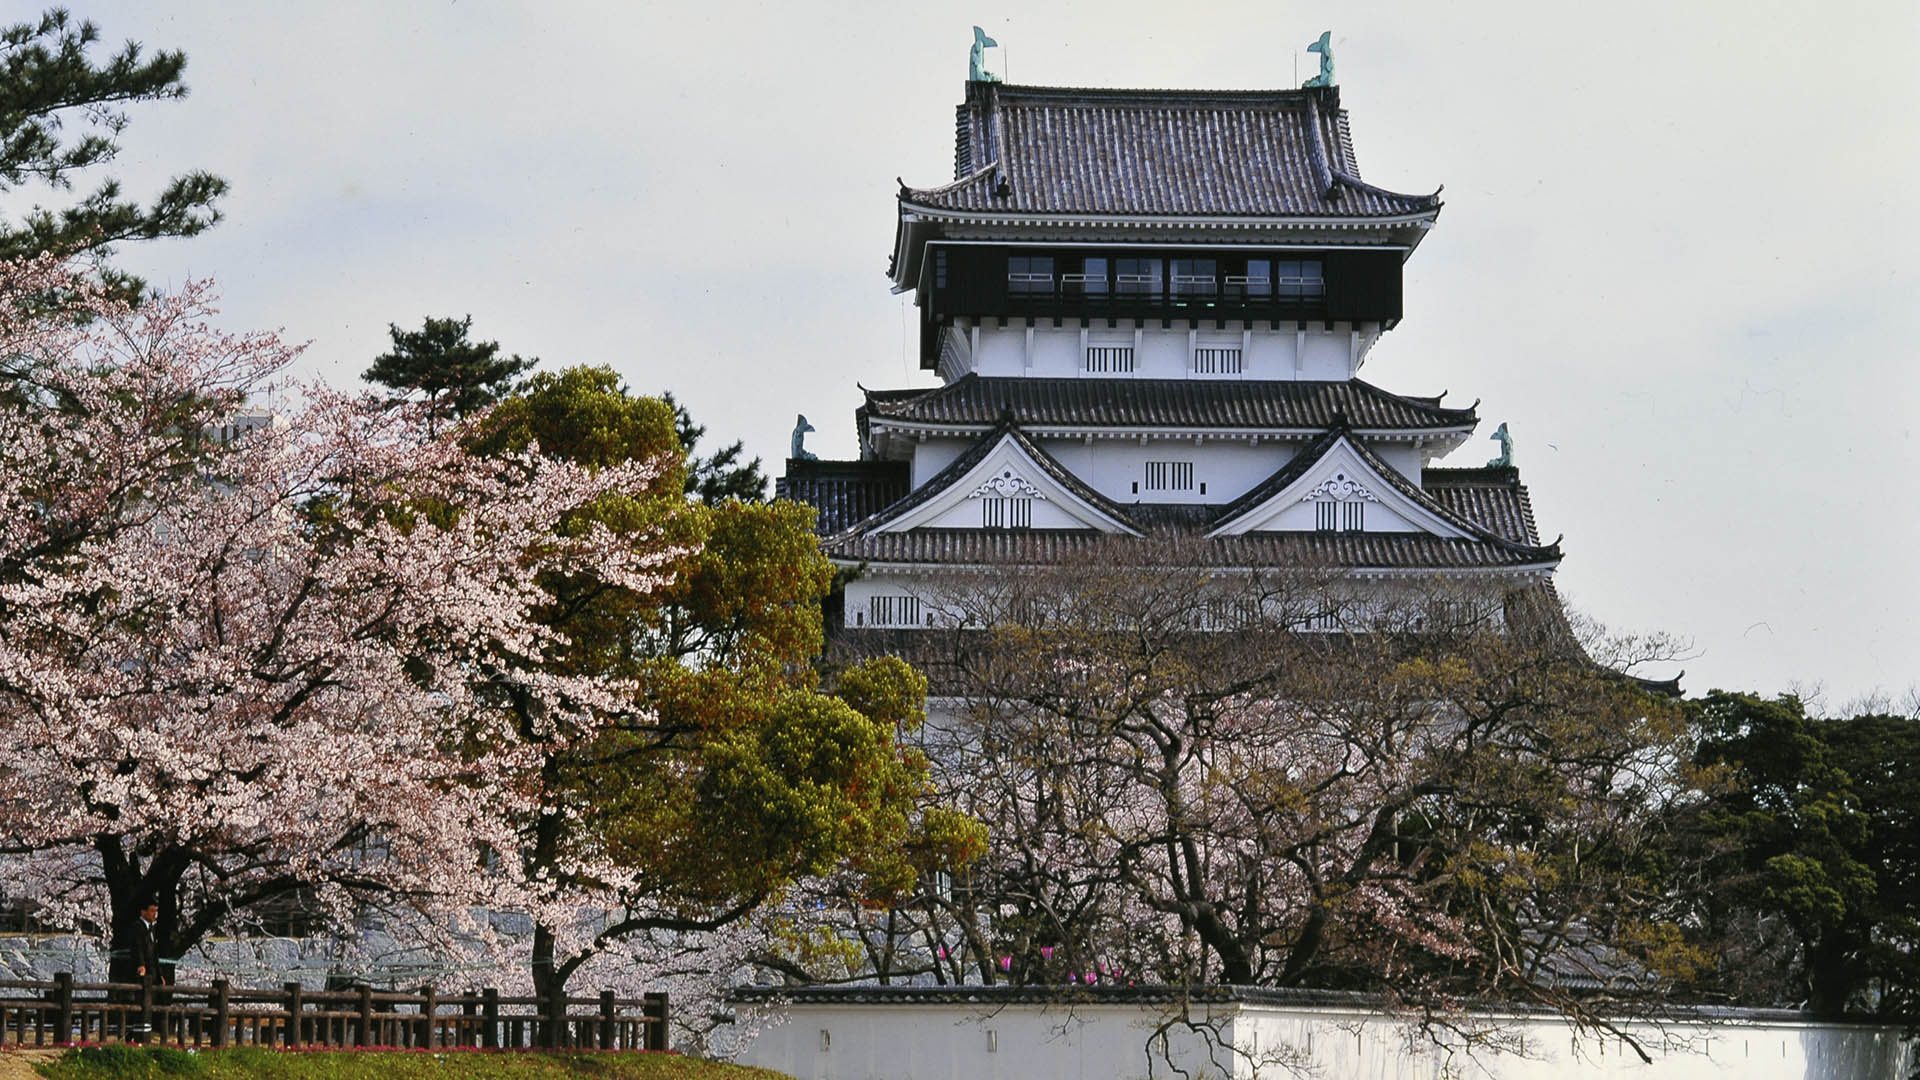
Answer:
(1232, 296)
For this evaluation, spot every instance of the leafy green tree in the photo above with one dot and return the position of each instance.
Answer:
(50, 85)
(1816, 828)
(440, 365)
(721, 476)
(644, 806)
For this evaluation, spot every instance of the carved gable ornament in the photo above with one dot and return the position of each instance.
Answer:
(1340, 488)
(1007, 485)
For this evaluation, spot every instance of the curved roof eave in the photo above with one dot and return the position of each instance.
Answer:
(1170, 220)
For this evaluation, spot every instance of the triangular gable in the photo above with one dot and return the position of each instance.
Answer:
(1341, 475)
(1039, 494)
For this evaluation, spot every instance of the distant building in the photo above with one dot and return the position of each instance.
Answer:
(1150, 310)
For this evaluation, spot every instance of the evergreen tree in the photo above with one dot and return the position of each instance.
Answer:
(719, 477)
(48, 85)
(1815, 829)
(438, 362)
(641, 827)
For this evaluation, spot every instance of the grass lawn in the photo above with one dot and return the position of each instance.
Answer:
(134, 1063)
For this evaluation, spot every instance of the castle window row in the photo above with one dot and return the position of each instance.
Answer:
(977, 281)
(1100, 275)
(1120, 359)
(1324, 614)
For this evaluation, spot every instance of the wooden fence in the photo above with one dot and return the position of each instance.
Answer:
(64, 1011)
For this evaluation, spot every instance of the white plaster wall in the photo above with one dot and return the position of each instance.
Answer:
(1317, 353)
(1405, 458)
(861, 590)
(1303, 517)
(1362, 603)
(1113, 466)
(1100, 1042)
(932, 455)
(946, 1043)
(966, 515)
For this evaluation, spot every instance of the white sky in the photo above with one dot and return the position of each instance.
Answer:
(1675, 256)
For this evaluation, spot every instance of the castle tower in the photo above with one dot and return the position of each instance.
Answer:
(1150, 310)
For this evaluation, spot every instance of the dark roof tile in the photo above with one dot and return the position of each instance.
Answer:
(1382, 551)
(1251, 153)
(1441, 508)
(976, 453)
(1492, 496)
(844, 491)
(1296, 405)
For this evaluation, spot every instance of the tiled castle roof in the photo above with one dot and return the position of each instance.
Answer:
(976, 400)
(976, 453)
(1039, 547)
(1491, 496)
(843, 492)
(1262, 154)
(1305, 459)
(1506, 541)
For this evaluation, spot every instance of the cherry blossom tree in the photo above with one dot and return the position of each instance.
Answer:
(245, 655)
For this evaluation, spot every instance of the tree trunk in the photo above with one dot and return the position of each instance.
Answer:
(1833, 972)
(549, 986)
(129, 885)
(549, 976)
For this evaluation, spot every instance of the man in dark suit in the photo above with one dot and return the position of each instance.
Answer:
(136, 955)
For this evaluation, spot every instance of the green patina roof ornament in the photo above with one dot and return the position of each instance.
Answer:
(1505, 460)
(1325, 48)
(797, 446)
(977, 59)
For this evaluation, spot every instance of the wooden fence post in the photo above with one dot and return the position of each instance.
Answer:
(490, 1018)
(656, 1014)
(364, 1036)
(427, 1026)
(555, 1007)
(146, 1008)
(62, 1006)
(296, 1033)
(222, 1014)
(606, 1020)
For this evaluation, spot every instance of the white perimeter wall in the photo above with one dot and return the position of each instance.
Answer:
(1030, 1042)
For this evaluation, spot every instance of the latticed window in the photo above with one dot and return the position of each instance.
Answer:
(1230, 613)
(1169, 476)
(1330, 516)
(1006, 513)
(893, 611)
(1110, 359)
(1325, 620)
(1217, 360)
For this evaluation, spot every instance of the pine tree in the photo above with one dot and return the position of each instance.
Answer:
(49, 84)
(438, 362)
